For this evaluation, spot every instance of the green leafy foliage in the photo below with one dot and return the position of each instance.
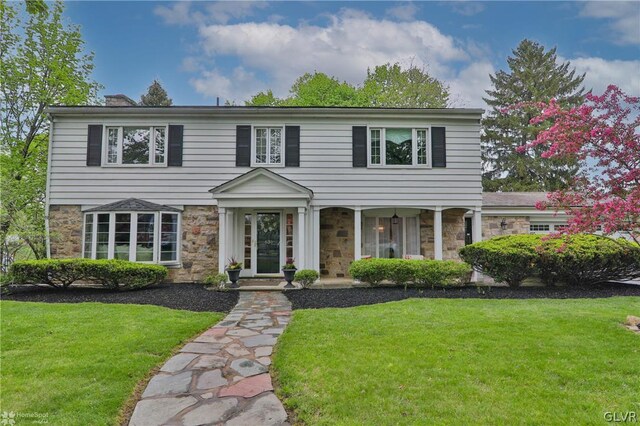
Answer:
(419, 273)
(113, 274)
(579, 259)
(386, 85)
(42, 62)
(306, 277)
(156, 96)
(534, 75)
(216, 280)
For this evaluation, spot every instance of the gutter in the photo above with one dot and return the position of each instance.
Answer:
(48, 190)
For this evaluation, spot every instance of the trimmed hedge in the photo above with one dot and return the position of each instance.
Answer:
(113, 274)
(580, 259)
(306, 277)
(419, 273)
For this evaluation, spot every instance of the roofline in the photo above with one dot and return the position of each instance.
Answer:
(241, 110)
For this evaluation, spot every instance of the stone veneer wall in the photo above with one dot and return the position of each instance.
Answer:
(336, 241)
(199, 239)
(199, 244)
(452, 233)
(515, 225)
(65, 230)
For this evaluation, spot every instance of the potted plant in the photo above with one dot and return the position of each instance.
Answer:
(233, 270)
(289, 269)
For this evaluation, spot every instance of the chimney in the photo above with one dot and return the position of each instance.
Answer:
(119, 101)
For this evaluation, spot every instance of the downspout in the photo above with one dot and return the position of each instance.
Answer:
(48, 190)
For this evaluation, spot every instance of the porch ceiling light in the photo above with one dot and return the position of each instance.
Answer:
(394, 218)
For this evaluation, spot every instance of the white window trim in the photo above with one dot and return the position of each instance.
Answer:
(254, 163)
(414, 147)
(404, 234)
(152, 147)
(133, 231)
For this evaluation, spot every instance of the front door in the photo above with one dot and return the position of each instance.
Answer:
(267, 243)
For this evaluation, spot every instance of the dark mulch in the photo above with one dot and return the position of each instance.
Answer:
(190, 297)
(347, 297)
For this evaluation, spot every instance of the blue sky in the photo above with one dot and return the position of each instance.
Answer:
(201, 50)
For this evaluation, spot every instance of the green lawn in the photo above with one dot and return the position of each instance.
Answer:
(462, 362)
(79, 363)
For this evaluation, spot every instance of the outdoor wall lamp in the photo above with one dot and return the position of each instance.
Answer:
(503, 224)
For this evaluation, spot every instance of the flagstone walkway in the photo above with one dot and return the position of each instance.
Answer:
(222, 377)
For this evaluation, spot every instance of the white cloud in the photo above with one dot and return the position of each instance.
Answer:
(344, 48)
(624, 17)
(601, 73)
(468, 88)
(403, 12)
(466, 8)
(240, 85)
(220, 12)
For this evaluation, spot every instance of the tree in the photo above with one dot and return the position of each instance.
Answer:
(155, 96)
(535, 76)
(603, 134)
(391, 86)
(41, 63)
(386, 86)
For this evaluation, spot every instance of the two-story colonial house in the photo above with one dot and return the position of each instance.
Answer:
(191, 187)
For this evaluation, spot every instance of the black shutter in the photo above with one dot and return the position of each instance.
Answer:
(94, 145)
(175, 145)
(359, 154)
(243, 146)
(438, 147)
(292, 146)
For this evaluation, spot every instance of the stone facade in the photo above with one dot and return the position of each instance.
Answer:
(452, 233)
(65, 229)
(199, 244)
(199, 239)
(336, 242)
(515, 225)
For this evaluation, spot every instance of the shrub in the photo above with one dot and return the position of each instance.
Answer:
(403, 271)
(510, 258)
(216, 280)
(306, 277)
(584, 259)
(575, 259)
(114, 274)
(446, 273)
(371, 271)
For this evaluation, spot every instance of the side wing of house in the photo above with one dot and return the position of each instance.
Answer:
(192, 187)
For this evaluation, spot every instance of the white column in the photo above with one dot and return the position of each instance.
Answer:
(316, 239)
(476, 231)
(231, 237)
(301, 261)
(357, 232)
(437, 233)
(222, 236)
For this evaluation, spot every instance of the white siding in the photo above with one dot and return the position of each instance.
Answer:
(325, 165)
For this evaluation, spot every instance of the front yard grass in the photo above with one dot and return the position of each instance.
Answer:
(461, 362)
(77, 364)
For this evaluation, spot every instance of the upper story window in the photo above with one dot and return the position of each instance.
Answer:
(268, 146)
(136, 145)
(394, 146)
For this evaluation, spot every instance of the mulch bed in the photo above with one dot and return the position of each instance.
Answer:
(190, 297)
(348, 297)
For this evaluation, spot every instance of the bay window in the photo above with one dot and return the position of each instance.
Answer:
(396, 146)
(132, 236)
(136, 145)
(388, 238)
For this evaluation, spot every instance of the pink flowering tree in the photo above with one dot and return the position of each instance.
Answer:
(603, 135)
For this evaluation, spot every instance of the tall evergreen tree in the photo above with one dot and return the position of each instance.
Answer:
(534, 76)
(156, 96)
